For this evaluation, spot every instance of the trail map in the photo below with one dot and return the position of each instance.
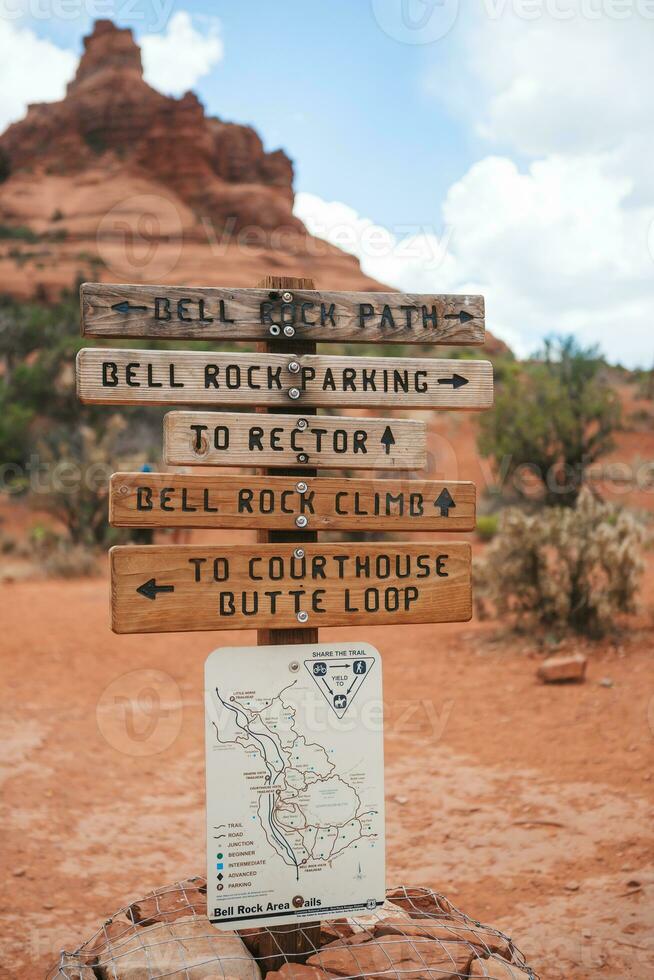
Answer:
(294, 783)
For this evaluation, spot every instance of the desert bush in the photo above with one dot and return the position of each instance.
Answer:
(563, 568)
(69, 561)
(552, 418)
(487, 525)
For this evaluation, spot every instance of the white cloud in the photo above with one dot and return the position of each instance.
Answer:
(174, 62)
(559, 242)
(31, 70)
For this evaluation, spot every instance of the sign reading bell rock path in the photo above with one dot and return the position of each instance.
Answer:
(169, 312)
(165, 588)
(295, 818)
(128, 377)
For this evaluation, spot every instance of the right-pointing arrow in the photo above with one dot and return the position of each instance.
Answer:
(462, 317)
(444, 502)
(388, 439)
(150, 589)
(456, 381)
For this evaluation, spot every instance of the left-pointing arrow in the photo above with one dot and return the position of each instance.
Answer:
(456, 381)
(126, 307)
(150, 589)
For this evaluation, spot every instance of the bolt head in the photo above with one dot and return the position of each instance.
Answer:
(302, 616)
(289, 331)
(298, 553)
(287, 296)
(294, 666)
(274, 330)
(294, 393)
(301, 520)
(301, 487)
(302, 458)
(302, 424)
(294, 367)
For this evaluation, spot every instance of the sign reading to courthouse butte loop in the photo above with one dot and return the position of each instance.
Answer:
(158, 312)
(220, 439)
(314, 504)
(193, 378)
(170, 588)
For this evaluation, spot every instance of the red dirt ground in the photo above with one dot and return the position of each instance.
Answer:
(527, 805)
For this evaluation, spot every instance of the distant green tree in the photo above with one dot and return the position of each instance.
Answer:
(553, 417)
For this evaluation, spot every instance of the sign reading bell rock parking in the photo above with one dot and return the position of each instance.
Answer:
(295, 790)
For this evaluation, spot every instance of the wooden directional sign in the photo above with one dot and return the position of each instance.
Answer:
(128, 377)
(168, 312)
(171, 588)
(314, 504)
(218, 439)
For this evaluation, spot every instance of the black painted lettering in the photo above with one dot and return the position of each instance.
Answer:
(245, 501)
(304, 308)
(440, 566)
(211, 375)
(255, 437)
(221, 437)
(182, 310)
(161, 308)
(265, 313)
(220, 569)
(164, 498)
(429, 319)
(197, 565)
(387, 321)
(327, 314)
(366, 310)
(359, 439)
(130, 374)
(109, 374)
(223, 313)
(203, 316)
(144, 498)
(198, 429)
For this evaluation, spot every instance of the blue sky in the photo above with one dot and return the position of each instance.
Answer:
(495, 146)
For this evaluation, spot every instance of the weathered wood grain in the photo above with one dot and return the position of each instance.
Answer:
(131, 377)
(199, 313)
(228, 439)
(182, 588)
(276, 503)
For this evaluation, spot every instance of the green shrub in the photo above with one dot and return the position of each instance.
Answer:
(552, 418)
(20, 232)
(487, 525)
(563, 568)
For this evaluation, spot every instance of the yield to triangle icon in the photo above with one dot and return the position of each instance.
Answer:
(339, 682)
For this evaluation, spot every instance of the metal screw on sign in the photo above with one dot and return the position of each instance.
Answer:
(301, 487)
(289, 331)
(301, 520)
(302, 424)
(294, 393)
(287, 297)
(302, 458)
(302, 617)
(294, 367)
(298, 553)
(294, 666)
(274, 330)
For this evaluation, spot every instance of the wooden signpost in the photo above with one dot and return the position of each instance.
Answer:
(287, 584)
(168, 588)
(269, 502)
(217, 439)
(133, 377)
(281, 312)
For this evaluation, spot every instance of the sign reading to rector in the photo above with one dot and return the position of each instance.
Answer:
(129, 377)
(160, 312)
(218, 439)
(295, 820)
(191, 500)
(165, 588)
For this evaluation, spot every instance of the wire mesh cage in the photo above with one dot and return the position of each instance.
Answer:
(417, 933)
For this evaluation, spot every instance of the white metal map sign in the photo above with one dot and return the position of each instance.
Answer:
(295, 783)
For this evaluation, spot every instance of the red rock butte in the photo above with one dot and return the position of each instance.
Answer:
(118, 182)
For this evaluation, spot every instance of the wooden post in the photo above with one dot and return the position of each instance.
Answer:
(295, 942)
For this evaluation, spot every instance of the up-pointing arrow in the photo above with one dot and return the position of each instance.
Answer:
(126, 307)
(388, 439)
(444, 502)
(150, 589)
